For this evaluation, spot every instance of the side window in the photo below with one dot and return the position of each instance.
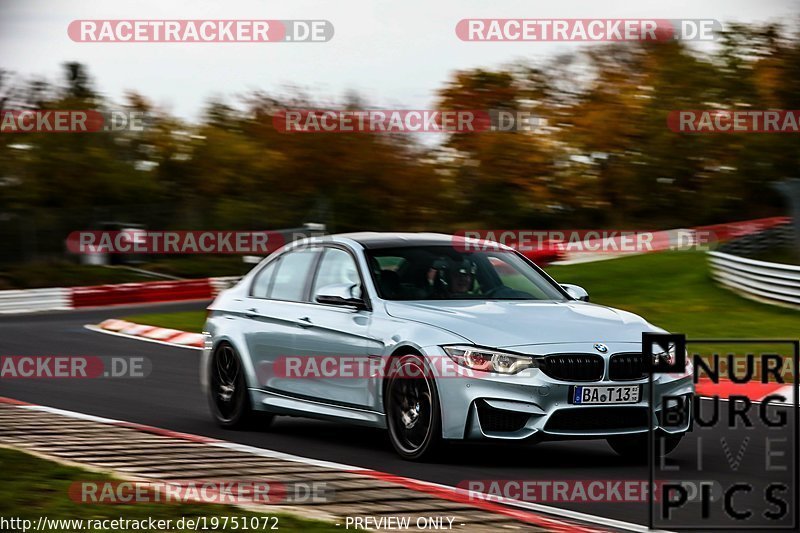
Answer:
(292, 275)
(387, 262)
(336, 267)
(263, 281)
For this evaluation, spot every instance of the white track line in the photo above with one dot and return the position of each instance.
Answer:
(273, 454)
(70, 414)
(92, 327)
(263, 452)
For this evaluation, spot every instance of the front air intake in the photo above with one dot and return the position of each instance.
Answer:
(595, 419)
(573, 366)
(626, 366)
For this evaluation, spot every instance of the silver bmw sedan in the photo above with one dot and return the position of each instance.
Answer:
(434, 338)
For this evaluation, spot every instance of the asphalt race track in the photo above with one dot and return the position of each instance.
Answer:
(171, 398)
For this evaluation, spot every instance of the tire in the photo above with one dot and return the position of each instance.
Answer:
(412, 409)
(228, 397)
(635, 447)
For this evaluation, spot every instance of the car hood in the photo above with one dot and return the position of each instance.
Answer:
(506, 324)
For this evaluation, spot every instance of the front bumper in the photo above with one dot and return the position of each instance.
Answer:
(533, 405)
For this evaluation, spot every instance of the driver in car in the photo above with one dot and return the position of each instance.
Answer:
(451, 279)
(462, 278)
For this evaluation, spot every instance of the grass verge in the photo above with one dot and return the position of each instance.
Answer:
(674, 290)
(191, 321)
(34, 487)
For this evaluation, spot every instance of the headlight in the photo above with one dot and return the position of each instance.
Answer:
(488, 360)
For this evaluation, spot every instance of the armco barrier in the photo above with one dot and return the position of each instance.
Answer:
(732, 230)
(773, 283)
(51, 299)
(58, 299)
(681, 239)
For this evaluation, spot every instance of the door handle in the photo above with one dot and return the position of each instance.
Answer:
(304, 322)
(251, 313)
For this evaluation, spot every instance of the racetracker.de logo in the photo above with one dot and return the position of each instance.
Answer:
(138, 241)
(381, 121)
(734, 121)
(69, 121)
(594, 241)
(73, 367)
(574, 490)
(406, 121)
(200, 31)
(232, 492)
(587, 30)
(360, 367)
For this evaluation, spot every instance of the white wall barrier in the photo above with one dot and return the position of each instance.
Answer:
(50, 299)
(773, 283)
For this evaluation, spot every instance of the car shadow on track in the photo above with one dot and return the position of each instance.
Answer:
(546, 456)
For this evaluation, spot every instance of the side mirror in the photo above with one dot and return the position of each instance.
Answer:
(343, 294)
(576, 291)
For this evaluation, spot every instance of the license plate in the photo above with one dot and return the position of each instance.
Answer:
(590, 395)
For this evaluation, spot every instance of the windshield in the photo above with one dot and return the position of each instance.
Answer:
(445, 273)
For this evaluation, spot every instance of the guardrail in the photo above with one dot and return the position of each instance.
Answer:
(772, 283)
(753, 244)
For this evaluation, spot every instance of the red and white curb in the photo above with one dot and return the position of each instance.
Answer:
(754, 390)
(153, 333)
